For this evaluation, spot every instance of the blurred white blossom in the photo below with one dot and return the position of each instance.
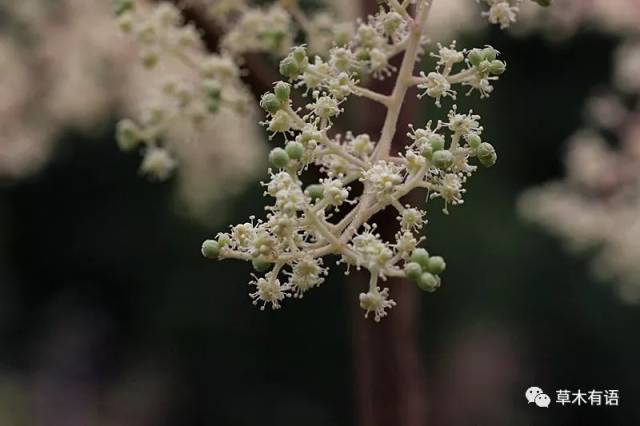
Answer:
(597, 205)
(67, 67)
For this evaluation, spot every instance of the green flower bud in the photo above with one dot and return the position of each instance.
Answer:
(120, 7)
(473, 140)
(497, 67)
(282, 91)
(270, 103)
(420, 256)
(223, 240)
(489, 53)
(436, 142)
(260, 265)
(475, 56)
(315, 191)
(289, 68)
(442, 159)
(299, 54)
(544, 3)
(427, 152)
(484, 67)
(210, 249)
(428, 282)
(279, 158)
(127, 135)
(413, 270)
(487, 154)
(436, 265)
(295, 150)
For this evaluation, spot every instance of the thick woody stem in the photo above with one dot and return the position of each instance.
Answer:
(390, 384)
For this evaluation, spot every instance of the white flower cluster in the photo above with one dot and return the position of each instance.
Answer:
(272, 29)
(260, 30)
(331, 215)
(597, 205)
(212, 82)
(566, 17)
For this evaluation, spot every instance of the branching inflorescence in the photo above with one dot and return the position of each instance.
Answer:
(308, 221)
(331, 216)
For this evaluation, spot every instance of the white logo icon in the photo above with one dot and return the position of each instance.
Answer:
(535, 395)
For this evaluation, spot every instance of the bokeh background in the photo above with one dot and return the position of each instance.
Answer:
(110, 316)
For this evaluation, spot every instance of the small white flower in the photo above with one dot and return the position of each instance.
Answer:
(412, 219)
(436, 86)
(406, 243)
(158, 163)
(376, 301)
(243, 234)
(502, 12)
(464, 124)
(334, 192)
(343, 59)
(361, 145)
(325, 107)
(269, 290)
(384, 178)
(448, 56)
(373, 253)
(306, 274)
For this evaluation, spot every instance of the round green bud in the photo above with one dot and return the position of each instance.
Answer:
(428, 282)
(210, 249)
(279, 158)
(489, 53)
(497, 67)
(270, 103)
(442, 159)
(473, 139)
(289, 67)
(436, 265)
(475, 56)
(260, 265)
(282, 91)
(413, 270)
(299, 54)
(295, 150)
(420, 256)
(437, 142)
(487, 154)
(127, 135)
(427, 152)
(120, 7)
(315, 191)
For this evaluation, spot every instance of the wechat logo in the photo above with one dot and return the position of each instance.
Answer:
(537, 396)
